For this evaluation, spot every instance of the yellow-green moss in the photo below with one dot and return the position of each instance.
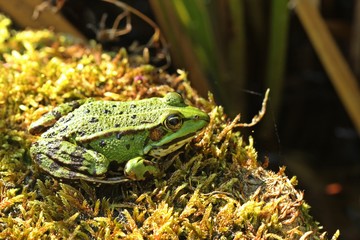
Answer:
(214, 188)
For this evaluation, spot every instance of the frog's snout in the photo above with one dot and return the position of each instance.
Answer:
(202, 117)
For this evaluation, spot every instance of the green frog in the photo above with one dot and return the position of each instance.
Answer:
(80, 139)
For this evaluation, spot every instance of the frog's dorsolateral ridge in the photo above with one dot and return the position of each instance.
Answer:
(80, 139)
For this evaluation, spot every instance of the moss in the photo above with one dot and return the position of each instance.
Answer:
(213, 188)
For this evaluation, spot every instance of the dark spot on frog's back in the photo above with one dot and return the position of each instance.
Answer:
(118, 135)
(133, 116)
(37, 158)
(81, 133)
(74, 104)
(93, 120)
(132, 105)
(64, 129)
(66, 118)
(54, 145)
(107, 111)
(50, 134)
(78, 153)
(56, 114)
(54, 167)
(87, 111)
(102, 143)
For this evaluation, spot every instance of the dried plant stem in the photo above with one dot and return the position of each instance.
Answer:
(260, 115)
(24, 16)
(339, 72)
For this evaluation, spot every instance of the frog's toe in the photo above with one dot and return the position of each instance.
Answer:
(138, 168)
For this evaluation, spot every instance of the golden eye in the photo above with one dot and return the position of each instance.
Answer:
(173, 122)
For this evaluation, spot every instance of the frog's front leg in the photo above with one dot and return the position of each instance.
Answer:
(64, 159)
(138, 168)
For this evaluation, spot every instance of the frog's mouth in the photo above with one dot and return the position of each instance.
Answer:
(175, 140)
(163, 150)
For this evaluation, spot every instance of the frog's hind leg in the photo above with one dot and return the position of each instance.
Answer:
(63, 159)
(58, 171)
(51, 117)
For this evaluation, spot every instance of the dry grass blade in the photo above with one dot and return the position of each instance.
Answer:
(339, 72)
(180, 43)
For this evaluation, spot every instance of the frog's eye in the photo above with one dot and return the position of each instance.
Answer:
(173, 122)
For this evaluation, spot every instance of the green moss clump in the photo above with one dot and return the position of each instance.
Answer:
(213, 188)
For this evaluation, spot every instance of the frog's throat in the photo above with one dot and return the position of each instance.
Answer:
(163, 150)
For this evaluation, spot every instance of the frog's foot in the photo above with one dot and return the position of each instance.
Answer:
(58, 171)
(66, 160)
(138, 168)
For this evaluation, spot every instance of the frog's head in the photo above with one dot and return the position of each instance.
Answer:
(179, 123)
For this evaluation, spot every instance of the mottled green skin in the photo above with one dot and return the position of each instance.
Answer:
(85, 136)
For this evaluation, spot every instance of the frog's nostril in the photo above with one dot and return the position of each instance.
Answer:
(201, 117)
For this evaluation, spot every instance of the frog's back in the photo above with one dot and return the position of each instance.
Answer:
(101, 116)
